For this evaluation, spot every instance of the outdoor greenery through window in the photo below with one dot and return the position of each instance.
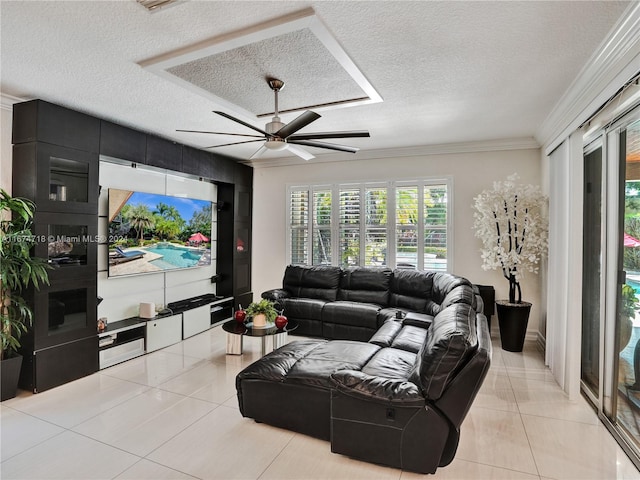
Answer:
(394, 224)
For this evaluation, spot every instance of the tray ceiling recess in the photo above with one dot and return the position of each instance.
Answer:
(230, 70)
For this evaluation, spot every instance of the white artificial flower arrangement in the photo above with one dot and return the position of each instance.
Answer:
(510, 220)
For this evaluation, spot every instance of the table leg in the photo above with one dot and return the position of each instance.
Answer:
(267, 348)
(279, 339)
(234, 344)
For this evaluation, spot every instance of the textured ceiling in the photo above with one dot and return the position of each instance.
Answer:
(312, 75)
(447, 71)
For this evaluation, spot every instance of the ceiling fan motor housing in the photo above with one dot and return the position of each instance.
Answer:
(273, 126)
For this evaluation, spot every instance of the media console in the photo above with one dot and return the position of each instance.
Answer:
(132, 337)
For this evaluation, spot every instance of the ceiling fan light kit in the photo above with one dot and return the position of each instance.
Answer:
(275, 144)
(278, 136)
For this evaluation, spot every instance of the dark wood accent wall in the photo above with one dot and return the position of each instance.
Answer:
(45, 122)
(122, 142)
(40, 130)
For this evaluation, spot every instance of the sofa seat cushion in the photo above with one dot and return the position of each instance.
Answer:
(351, 313)
(410, 338)
(275, 366)
(390, 363)
(315, 367)
(309, 308)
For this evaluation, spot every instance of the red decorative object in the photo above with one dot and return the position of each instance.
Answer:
(281, 321)
(240, 315)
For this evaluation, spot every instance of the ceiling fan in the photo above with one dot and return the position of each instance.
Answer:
(278, 136)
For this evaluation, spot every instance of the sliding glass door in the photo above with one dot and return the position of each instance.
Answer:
(626, 411)
(610, 355)
(592, 310)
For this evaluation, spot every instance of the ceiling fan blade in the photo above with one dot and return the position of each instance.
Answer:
(235, 143)
(237, 120)
(330, 146)
(301, 152)
(259, 152)
(315, 136)
(300, 122)
(219, 133)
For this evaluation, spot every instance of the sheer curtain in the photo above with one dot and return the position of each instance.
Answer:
(565, 264)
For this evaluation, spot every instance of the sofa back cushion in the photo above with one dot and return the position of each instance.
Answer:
(461, 294)
(365, 284)
(450, 341)
(443, 283)
(412, 290)
(318, 281)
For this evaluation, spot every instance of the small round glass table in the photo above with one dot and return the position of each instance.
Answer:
(272, 337)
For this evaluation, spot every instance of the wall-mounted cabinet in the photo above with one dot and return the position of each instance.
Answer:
(121, 142)
(56, 158)
(163, 153)
(57, 178)
(55, 164)
(41, 121)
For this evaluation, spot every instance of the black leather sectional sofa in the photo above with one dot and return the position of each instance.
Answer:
(397, 398)
(352, 303)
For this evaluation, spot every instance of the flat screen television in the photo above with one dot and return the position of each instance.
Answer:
(152, 233)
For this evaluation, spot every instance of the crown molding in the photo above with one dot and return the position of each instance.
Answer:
(526, 143)
(616, 60)
(7, 101)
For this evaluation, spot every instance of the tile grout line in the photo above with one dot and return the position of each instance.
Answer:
(533, 457)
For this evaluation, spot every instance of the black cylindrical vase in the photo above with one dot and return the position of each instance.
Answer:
(513, 319)
(9, 374)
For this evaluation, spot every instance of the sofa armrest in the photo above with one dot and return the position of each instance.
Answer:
(417, 320)
(386, 333)
(378, 389)
(276, 294)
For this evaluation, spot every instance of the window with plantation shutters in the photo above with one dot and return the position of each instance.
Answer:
(407, 219)
(435, 227)
(299, 226)
(321, 244)
(349, 227)
(375, 226)
(403, 224)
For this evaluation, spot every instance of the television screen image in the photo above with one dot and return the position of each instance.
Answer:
(151, 233)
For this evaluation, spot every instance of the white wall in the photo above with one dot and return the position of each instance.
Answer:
(471, 173)
(6, 116)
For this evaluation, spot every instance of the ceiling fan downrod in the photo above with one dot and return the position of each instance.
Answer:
(274, 142)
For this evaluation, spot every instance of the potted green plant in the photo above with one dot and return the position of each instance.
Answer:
(510, 220)
(262, 312)
(18, 270)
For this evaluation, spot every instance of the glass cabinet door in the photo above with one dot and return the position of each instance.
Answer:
(69, 242)
(67, 179)
(64, 314)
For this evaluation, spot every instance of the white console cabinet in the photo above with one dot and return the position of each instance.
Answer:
(129, 338)
(196, 320)
(163, 332)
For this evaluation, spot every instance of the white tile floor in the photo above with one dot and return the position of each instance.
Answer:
(173, 415)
